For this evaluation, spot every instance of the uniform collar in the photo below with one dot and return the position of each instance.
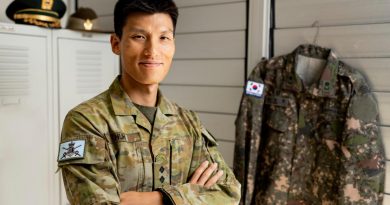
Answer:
(122, 105)
(326, 85)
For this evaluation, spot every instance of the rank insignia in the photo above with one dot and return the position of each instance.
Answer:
(254, 88)
(71, 150)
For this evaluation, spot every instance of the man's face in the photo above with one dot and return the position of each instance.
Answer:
(146, 48)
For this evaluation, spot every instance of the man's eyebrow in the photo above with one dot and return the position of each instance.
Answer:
(167, 31)
(137, 30)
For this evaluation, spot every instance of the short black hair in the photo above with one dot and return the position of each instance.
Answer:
(124, 8)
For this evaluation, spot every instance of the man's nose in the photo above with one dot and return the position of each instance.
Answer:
(151, 48)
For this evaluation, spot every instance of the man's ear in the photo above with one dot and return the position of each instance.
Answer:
(115, 44)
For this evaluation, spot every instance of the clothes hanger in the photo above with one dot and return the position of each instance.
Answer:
(316, 24)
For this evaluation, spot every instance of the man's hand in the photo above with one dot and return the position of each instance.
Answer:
(203, 175)
(141, 198)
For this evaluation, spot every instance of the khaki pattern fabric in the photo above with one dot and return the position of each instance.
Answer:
(123, 152)
(313, 144)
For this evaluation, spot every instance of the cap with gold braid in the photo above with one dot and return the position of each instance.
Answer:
(44, 13)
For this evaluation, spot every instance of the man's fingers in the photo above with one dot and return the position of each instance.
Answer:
(198, 172)
(214, 179)
(207, 173)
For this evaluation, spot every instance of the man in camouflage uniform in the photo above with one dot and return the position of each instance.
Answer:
(302, 141)
(130, 144)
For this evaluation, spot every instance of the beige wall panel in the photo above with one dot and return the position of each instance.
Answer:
(348, 41)
(386, 199)
(208, 99)
(302, 13)
(221, 126)
(376, 70)
(185, 3)
(384, 107)
(101, 7)
(207, 72)
(220, 17)
(385, 131)
(227, 151)
(387, 183)
(210, 45)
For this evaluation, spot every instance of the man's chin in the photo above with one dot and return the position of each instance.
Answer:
(150, 83)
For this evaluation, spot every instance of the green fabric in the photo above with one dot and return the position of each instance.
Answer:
(149, 112)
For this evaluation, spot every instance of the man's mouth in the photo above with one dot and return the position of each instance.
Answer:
(150, 63)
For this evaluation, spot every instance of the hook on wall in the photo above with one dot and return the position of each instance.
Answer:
(316, 24)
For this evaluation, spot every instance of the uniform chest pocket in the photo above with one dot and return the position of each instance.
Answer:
(129, 161)
(277, 117)
(180, 160)
(278, 120)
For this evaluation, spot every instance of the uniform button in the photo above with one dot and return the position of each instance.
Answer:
(161, 169)
(162, 179)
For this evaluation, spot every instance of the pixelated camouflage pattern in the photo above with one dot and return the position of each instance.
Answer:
(123, 152)
(309, 144)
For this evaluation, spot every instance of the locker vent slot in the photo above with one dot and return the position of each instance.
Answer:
(14, 70)
(89, 72)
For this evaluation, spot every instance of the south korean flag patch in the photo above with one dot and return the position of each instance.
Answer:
(71, 150)
(254, 88)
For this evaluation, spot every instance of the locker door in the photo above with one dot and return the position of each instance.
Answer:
(26, 140)
(86, 68)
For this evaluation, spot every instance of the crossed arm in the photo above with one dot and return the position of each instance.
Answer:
(203, 176)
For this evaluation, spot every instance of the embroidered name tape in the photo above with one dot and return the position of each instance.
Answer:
(71, 150)
(254, 88)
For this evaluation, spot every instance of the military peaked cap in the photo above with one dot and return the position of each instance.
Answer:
(85, 19)
(44, 13)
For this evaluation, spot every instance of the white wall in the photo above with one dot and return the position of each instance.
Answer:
(359, 32)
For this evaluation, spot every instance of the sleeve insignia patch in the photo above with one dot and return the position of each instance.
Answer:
(254, 88)
(71, 150)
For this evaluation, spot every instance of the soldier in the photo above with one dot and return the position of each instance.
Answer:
(135, 146)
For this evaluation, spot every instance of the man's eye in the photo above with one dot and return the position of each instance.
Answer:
(165, 38)
(138, 37)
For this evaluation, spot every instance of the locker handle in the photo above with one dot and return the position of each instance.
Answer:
(10, 101)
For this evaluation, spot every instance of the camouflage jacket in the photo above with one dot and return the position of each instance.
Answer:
(108, 147)
(308, 144)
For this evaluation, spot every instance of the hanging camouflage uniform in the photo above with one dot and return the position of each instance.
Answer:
(108, 147)
(300, 144)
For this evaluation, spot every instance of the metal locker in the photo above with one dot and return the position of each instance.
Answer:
(27, 135)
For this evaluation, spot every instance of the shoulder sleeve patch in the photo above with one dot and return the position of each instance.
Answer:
(254, 88)
(71, 150)
(208, 137)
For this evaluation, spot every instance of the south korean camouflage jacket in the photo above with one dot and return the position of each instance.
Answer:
(305, 145)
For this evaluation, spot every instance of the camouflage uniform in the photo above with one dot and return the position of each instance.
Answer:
(123, 152)
(308, 145)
